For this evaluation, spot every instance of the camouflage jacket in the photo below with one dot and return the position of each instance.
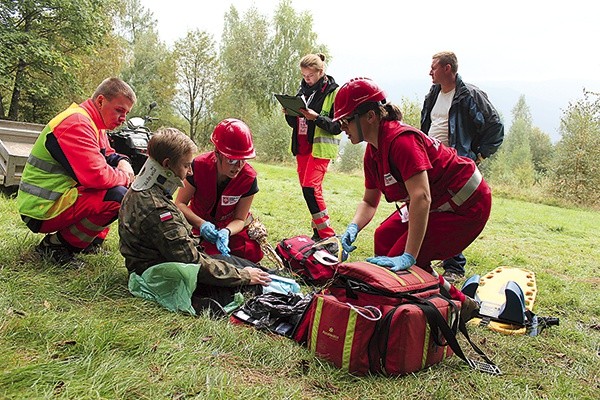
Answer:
(152, 230)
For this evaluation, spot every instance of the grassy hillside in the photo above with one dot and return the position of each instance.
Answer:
(79, 334)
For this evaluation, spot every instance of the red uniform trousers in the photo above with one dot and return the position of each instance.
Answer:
(311, 172)
(448, 233)
(88, 218)
(240, 245)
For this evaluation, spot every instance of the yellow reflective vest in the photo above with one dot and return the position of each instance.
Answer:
(46, 189)
(325, 145)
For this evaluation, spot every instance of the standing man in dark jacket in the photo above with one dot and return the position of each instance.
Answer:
(461, 116)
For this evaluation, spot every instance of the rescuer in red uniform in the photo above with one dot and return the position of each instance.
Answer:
(445, 203)
(216, 199)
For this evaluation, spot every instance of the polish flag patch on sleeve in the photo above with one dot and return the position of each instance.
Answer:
(166, 216)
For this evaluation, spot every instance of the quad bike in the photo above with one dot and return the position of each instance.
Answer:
(132, 138)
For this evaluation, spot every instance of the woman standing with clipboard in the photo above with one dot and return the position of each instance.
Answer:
(315, 138)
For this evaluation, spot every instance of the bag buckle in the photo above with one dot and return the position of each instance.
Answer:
(481, 366)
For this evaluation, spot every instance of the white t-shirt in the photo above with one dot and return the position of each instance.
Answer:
(439, 116)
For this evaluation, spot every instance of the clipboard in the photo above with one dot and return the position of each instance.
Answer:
(292, 104)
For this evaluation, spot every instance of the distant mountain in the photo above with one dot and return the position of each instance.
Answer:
(547, 100)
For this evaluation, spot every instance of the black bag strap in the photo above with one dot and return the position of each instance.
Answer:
(437, 323)
(383, 327)
(377, 346)
(311, 248)
(352, 286)
(436, 333)
(306, 251)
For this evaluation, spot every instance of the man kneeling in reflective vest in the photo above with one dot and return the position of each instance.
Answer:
(74, 181)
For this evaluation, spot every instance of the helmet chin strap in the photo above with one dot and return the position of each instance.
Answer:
(361, 136)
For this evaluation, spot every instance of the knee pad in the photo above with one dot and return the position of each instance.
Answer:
(311, 201)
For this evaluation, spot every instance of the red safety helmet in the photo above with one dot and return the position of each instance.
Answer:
(233, 139)
(353, 94)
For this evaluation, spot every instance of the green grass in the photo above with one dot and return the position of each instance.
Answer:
(79, 334)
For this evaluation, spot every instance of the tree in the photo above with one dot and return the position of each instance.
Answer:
(244, 68)
(294, 38)
(258, 59)
(513, 163)
(351, 157)
(134, 20)
(575, 170)
(411, 112)
(150, 66)
(542, 152)
(105, 60)
(197, 70)
(42, 42)
(272, 139)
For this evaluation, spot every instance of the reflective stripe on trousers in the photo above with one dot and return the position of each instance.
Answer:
(464, 193)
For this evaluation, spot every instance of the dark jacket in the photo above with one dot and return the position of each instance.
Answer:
(322, 88)
(474, 126)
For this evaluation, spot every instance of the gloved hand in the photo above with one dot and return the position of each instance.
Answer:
(349, 237)
(223, 241)
(209, 231)
(399, 263)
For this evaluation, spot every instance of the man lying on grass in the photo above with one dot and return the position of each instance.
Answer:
(160, 253)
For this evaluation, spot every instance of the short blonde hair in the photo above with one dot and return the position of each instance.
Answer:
(170, 143)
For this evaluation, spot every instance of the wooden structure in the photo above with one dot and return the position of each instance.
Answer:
(16, 141)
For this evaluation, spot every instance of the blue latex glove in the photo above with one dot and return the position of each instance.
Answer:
(209, 231)
(349, 237)
(223, 241)
(399, 263)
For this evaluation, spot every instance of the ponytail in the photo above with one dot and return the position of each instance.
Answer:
(389, 112)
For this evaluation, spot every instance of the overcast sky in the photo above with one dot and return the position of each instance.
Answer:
(497, 42)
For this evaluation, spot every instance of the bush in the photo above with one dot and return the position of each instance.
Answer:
(575, 170)
(272, 140)
(351, 157)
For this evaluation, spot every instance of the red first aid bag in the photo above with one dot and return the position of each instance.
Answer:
(362, 283)
(418, 326)
(315, 262)
(406, 340)
(340, 332)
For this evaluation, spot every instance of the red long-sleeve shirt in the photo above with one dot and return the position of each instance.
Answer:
(89, 156)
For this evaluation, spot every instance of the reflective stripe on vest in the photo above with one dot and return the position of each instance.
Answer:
(46, 189)
(327, 139)
(39, 192)
(46, 166)
(326, 145)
